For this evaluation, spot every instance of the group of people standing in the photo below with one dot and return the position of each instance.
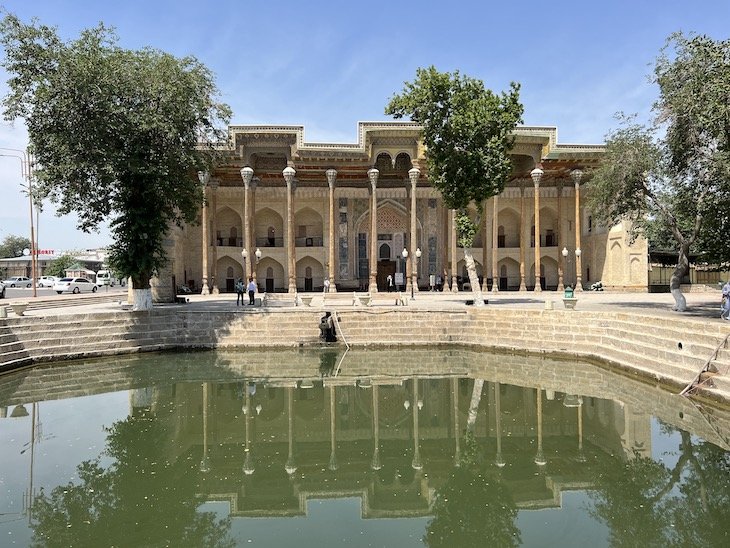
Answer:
(240, 288)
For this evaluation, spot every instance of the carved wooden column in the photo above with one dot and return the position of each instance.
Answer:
(291, 248)
(247, 176)
(413, 174)
(214, 184)
(331, 254)
(559, 236)
(495, 244)
(523, 240)
(536, 175)
(204, 177)
(577, 175)
(485, 248)
(407, 239)
(373, 282)
(454, 270)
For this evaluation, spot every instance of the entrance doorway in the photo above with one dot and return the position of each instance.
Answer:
(385, 267)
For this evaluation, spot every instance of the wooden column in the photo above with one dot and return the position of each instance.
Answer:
(214, 251)
(577, 175)
(373, 282)
(495, 244)
(523, 240)
(204, 177)
(247, 176)
(559, 236)
(331, 250)
(536, 175)
(291, 249)
(454, 284)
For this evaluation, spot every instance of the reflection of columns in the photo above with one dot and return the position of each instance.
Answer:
(455, 401)
(373, 283)
(495, 244)
(331, 256)
(291, 253)
(375, 463)
(205, 461)
(523, 242)
(540, 456)
(290, 466)
(247, 176)
(577, 175)
(417, 404)
(498, 460)
(559, 236)
(333, 443)
(536, 175)
(414, 173)
(204, 178)
(454, 285)
(214, 221)
(248, 467)
(581, 456)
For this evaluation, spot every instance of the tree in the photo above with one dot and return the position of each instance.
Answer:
(673, 176)
(57, 267)
(467, 131)
(141, 498)
(116, 135)
(13, 246)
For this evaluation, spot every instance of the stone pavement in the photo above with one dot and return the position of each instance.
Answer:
(704, 304)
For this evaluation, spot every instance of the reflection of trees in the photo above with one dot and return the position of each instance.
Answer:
(644, 503)
(141, 499)
(472, 508)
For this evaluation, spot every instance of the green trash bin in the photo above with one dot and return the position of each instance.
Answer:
(568, 292)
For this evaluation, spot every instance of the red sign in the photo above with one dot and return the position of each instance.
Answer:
(44, 251)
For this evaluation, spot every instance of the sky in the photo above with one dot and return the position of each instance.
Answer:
(326, 64)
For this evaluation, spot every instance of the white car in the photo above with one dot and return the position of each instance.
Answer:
(74, 285)
(47, 281)
(18, 281)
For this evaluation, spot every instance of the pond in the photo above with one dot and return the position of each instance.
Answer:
(409, 447)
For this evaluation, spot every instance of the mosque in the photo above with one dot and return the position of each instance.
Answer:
(295, 214)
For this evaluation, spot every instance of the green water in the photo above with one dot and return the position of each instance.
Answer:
(372, 448)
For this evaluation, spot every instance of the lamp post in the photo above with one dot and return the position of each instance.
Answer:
(404, 254)
(25, 170)
(565, 253)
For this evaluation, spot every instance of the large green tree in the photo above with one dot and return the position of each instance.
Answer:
(13, 246)
(116, 134)
(671, 179)
(468, 132)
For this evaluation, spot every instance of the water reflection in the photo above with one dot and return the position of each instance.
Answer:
(466, 440)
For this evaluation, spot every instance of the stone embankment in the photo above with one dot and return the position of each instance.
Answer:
(663, 350)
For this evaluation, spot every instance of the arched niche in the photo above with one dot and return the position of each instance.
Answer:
(269, 228)
(229, 228)
(270, 275)
(228, 271)
(310, 228)
(509, 223)
(310, 274)
(509, 274)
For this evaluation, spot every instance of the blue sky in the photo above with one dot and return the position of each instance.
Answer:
(327, 65)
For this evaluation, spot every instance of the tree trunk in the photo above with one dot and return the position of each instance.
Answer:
(680, 303)
(476, 397)
(142, 299)
(471, 269)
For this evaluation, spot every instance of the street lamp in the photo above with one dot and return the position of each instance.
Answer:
(25, 170)
(414, 272)
(258, 255)
(404, 254)
(244, 254)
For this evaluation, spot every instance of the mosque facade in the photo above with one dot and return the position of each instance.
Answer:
(293, 214)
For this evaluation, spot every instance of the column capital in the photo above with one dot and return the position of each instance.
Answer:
(373, 176)
(289, 173)
(331, 177)
(203, 177)
(247, 176)
(536, 175)
(576, 175)
(413, 174)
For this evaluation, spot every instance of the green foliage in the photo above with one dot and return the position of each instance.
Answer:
(473, 508)
(13, 246)
(673, 179)
(467, 131)
(116, 133)
(58, 267)
(140, 499)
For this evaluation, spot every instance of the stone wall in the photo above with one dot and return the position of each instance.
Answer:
(664, 350)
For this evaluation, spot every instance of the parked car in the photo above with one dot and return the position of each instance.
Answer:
(2, 290)
(74, 285)
(47, 281)
(18, 281)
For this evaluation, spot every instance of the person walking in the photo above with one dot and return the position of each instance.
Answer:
(239, 292)
(725, 313)
(389, 281)
(251, 290)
